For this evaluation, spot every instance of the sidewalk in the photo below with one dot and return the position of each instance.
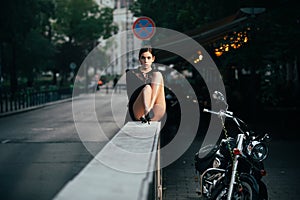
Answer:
(179, 177)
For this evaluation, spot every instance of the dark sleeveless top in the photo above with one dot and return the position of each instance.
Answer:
(136, 81)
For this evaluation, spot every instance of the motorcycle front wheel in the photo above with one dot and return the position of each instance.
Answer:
(263, 191)
(245, 192)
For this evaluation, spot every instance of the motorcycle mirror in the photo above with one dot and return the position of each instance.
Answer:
(218, 96)
(266, 138)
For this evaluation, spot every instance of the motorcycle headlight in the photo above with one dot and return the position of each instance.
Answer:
(257, 150)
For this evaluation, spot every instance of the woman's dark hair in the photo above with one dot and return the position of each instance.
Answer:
(146, 49)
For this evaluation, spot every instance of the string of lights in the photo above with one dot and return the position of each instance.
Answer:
(231, 41)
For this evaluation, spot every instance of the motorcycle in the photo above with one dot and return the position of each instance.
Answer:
(233, 168)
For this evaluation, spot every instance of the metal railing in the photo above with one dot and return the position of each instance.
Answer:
(10, 102)
(117, 88)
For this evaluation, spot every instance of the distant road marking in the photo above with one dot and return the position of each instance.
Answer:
(5, 141)
(42, 129)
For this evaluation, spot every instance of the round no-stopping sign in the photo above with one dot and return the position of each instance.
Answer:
(143, 28)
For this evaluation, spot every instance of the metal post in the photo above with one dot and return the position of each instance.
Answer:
(159, 174)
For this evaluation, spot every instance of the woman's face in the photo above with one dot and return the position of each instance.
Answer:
(147, 59)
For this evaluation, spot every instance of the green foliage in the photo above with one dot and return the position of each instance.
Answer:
(82, 22)
(22, 22)
(184, 15)
(78, 25)
(40, 35)
(36, 54)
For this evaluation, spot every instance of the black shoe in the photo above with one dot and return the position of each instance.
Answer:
(149, 116)
(143, 120)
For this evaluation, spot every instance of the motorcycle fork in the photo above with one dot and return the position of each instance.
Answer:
(235, 165)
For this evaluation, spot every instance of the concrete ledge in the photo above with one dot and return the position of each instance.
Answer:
(123, 169)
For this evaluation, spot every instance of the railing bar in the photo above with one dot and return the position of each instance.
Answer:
(22, 99)
(10, 102)
(1, 101)
(6, 103)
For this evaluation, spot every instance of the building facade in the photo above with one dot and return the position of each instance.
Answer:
(120, 48)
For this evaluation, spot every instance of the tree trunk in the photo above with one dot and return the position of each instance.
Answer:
(13, 69)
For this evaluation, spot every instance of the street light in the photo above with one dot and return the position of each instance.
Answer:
(253, 7)
(253, 11)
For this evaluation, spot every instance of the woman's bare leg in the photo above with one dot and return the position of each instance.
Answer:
(151, 97)
(159, 112)
(158, 103)
(157, 88)
(142, 102)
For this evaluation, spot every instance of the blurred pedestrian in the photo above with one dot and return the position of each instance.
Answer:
(145, 89)
(115, 81)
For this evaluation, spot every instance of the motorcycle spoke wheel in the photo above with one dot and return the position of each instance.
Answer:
(244, 193)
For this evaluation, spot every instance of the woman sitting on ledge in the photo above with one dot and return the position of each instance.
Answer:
(145, 89)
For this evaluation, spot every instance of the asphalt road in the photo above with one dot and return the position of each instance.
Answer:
(41, 149)
(283, 165)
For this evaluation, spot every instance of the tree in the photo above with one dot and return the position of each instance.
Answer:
(184, 15)
(36, 55)
(78, 26)
(21, 22)
(34, 31)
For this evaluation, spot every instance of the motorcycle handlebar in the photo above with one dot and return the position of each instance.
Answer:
(220, 113)
(229, 112)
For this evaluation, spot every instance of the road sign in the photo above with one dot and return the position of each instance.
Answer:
(143, 28)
